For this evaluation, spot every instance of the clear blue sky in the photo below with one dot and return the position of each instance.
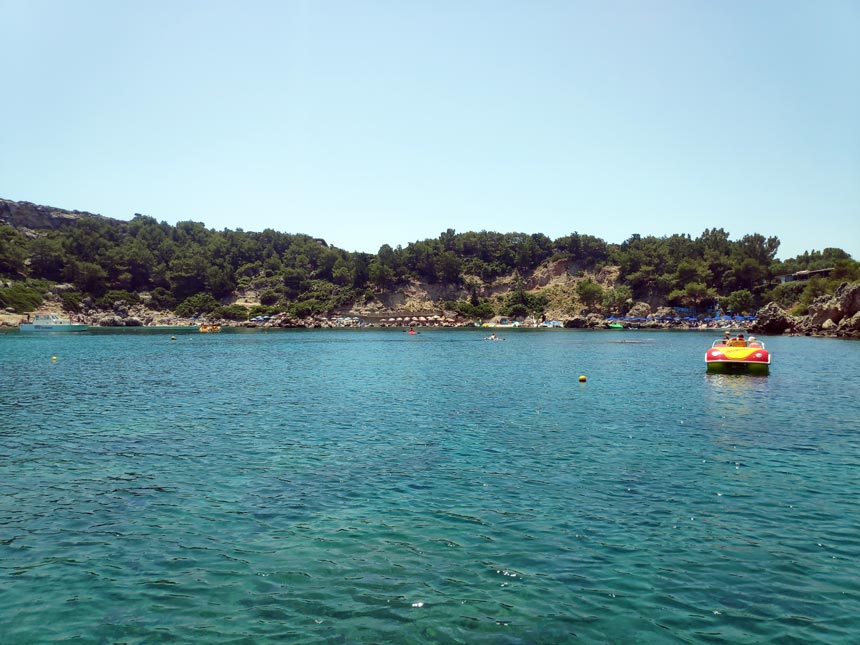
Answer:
(385, 122)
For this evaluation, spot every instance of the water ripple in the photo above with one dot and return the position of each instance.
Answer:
(369, 487)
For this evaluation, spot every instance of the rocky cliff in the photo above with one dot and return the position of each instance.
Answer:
(29, 217)
(836, 315)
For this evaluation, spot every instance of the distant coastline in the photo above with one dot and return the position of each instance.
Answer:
(112, 273)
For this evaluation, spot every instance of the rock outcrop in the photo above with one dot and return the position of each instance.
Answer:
(849, 327)
(639, 310)
(772, 319)
(835, 315)
(576, 322)
(29, 216)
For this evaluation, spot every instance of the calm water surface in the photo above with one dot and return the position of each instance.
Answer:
(376, 487)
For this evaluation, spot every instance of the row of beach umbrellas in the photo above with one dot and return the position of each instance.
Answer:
(415, 319)
(687, 318)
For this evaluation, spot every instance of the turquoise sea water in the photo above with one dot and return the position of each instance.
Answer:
(374, 487)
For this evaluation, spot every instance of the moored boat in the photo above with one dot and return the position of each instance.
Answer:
(47, 321)
(750, 357)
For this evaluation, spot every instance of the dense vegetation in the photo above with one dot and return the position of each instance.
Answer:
(190, 269)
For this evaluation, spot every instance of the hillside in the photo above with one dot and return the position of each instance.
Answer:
(89, 265)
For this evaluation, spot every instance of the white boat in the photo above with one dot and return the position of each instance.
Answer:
(45, 321)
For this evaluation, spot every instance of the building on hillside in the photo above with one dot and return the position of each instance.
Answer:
(801, 276)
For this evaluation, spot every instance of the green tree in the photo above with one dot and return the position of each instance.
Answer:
(741, 301)
(617, 299)
(380, 275)
(89, 277)
(692, 270)
(12, 251)
(231, 312)
(693, 295)
(589, 292)
(47, 258)
(200, 304)
(187, 273)
(341, 273)
(161, 298)
(269, 297)
(447, 268)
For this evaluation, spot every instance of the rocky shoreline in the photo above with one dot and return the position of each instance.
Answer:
(832, 316)
(829, 316)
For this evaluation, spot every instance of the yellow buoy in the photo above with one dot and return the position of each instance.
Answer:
(582, 378)
(54, 358)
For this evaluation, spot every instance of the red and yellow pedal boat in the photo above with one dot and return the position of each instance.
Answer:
(751, 357)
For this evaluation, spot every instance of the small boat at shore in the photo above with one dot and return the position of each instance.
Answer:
(750, 358)
(47, 321)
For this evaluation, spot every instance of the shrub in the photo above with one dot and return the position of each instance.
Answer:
(786, 295)
(231, 312)
(116, 295)
(308, 308)
(24, 296)
(71, 300)
(200, 303)
(480, 311)
(261, 310)
(589, 292)
(161, 298)
(269, 296)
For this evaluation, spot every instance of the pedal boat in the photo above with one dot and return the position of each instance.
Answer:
(752, 359)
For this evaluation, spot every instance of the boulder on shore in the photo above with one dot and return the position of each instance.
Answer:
(772, 319)
(111, 321)
(849, 327)
(576, 322)
(639, 310)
